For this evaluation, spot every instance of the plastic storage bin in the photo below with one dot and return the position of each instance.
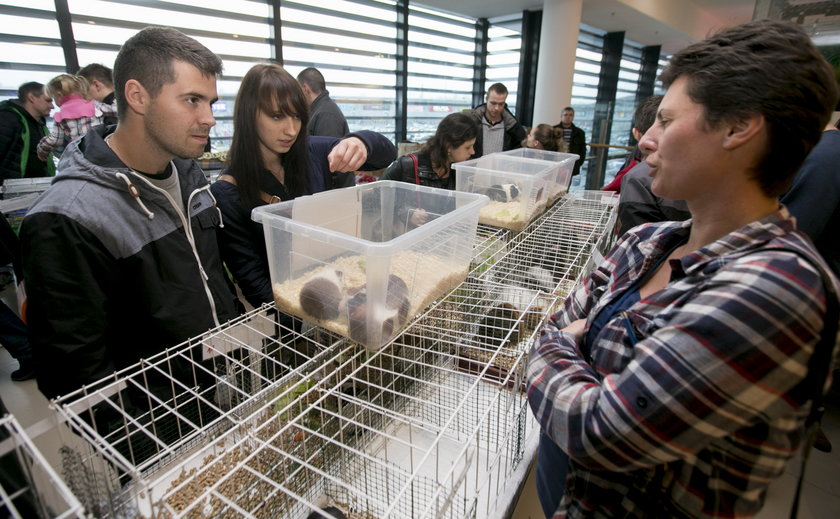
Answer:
(517, 187)
(565, 164)
(361, 261)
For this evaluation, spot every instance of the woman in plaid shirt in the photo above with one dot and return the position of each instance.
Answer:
(673, 381)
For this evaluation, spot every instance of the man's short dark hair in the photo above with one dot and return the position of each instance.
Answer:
(568, 109)
(313, 78)
(148, 57)
(498, 88)
(98, 72)
(764, 67)
(33, 87)
(645, 114)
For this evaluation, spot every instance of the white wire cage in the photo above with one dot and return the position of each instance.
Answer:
(423, 428)
(255, 419)
(29, 487)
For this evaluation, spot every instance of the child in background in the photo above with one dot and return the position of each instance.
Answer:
(76, 113)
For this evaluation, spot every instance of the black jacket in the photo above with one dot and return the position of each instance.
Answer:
(577, 145)
(111, 279)
(514, 132)
(402, 170)
(327, 119)
(11, 142)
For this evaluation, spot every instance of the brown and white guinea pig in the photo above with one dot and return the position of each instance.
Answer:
(503, 192)
(387, 318)
(322, 296)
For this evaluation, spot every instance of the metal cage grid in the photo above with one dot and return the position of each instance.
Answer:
(254, 419)
(27, 476)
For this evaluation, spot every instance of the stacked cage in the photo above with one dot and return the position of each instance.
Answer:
(258, 420)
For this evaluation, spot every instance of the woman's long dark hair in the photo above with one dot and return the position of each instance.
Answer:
(452, 131)
(270, 89)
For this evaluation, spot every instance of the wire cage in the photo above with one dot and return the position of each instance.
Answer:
(147, 417)
(29, 487)
(259, 420)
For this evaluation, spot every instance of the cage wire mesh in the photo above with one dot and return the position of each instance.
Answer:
(26, 477)
(256, 419)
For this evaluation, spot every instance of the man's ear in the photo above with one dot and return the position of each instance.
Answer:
(136, 96)
(637, 134)
(742, 131)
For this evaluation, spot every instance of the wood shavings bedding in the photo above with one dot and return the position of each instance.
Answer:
(427, 277)
(508, 214)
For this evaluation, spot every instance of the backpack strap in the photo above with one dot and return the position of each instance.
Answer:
(416, 169)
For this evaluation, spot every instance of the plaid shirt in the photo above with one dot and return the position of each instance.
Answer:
(692, 400)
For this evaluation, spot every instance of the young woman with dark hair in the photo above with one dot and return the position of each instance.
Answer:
(432, 165)
(545, 137)
(272, 159)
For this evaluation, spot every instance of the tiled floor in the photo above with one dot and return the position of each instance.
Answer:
(821, 498)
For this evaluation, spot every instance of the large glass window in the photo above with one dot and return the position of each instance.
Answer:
(240, 34)
(440, 68)
(585, 87)
(353, 44)
(624, 108)
(30, 46)
(504, 53)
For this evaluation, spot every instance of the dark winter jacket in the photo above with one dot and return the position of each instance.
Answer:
(241, 240)
(327, 119)
(577, 145)
(111, 278)
(514, 132)
(12, 131)
(402, 170)
(814, 197)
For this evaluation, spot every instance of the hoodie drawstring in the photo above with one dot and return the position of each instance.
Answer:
(135, 193)
(216, 206)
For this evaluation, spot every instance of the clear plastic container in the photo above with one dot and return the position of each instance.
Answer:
(517, 187)
(565, 165)
(362, 261)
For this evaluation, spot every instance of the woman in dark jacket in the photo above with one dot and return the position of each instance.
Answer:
(272, 159)
(452, 142)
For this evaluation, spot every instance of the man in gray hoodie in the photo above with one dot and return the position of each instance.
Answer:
(120, 253)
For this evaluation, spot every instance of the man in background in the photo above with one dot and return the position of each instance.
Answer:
(22, 125)
(575, 137)
(500, 131)
(325, 118)
(100, 86)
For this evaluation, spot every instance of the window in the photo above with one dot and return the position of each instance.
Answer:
(624, 108)
(504, 47)
(440, 68)
(240, 35)
(353, 44)
(585, 87)
(31, 46)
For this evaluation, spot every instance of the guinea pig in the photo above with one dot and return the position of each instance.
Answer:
(331, 511)
(392, 316)
(503, 192)
(498, 322)
(397, 297)
(322, 296)
(357, 316)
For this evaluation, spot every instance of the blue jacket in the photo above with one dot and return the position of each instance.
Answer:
(241, 240)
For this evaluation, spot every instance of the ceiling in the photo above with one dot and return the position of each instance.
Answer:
(670, 23)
